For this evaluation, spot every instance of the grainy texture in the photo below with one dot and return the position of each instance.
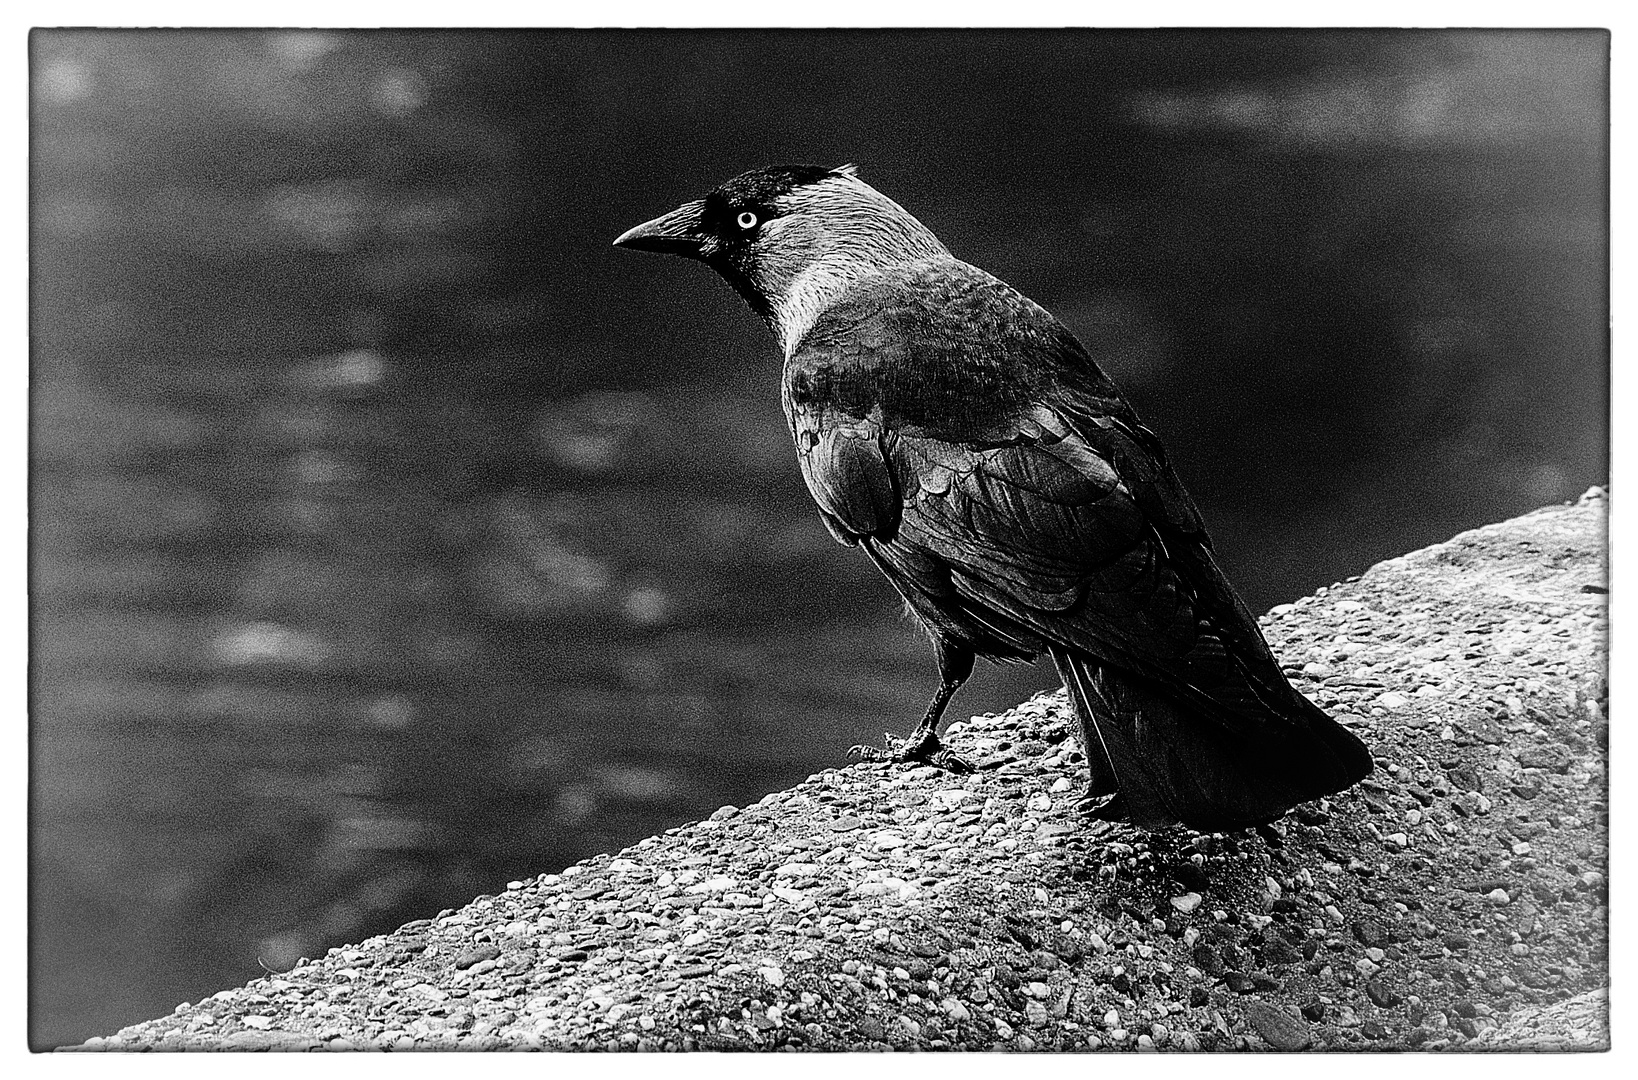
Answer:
(1456, 899)
(1579, 1023)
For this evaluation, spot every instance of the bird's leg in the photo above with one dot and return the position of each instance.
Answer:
(1101, 801)
(955, 664)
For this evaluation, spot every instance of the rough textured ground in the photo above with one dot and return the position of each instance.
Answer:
(1456, 899)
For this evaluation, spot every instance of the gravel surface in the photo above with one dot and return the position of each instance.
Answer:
(1456, 899)
(1578, 1023)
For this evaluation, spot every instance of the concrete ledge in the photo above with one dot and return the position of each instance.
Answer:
(1455, 900)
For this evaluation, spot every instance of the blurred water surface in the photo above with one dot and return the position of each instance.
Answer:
(393, 537)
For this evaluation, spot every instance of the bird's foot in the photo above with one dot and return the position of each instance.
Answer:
(1102, 806)
(1107, 811)
(926, 750)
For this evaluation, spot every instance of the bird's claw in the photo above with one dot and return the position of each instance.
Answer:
(884, 752)
(1102, 807)
(897, 751)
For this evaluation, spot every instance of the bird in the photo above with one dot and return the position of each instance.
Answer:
(965, 440)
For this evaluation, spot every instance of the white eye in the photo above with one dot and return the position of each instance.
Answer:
(747, 220)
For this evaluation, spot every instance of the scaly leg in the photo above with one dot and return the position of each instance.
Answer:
(955, 664)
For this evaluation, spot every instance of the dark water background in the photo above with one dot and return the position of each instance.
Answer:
(394, 537)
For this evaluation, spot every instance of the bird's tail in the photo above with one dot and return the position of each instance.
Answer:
(1169, 762)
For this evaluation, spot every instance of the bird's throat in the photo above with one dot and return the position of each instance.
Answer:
(810, 293)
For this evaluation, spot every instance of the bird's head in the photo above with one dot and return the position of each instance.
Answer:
(791, 239)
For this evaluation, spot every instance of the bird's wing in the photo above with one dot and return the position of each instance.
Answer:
(1056, 518)
(1048, 535)
(847, 473)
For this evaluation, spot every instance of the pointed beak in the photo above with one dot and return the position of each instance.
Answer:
(676, 233)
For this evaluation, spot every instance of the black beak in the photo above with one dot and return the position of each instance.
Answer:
(676, 233)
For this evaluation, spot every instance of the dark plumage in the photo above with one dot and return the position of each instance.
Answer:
(963, 438)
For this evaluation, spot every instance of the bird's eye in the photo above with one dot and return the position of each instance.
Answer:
(747, 220)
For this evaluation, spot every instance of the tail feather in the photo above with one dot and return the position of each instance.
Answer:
(1171, 763)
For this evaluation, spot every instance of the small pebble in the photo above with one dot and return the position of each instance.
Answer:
(1381, 994)
(476, 956)
(1281, 1029)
